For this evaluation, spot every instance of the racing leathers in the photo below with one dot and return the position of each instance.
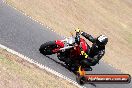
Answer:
(95, 54)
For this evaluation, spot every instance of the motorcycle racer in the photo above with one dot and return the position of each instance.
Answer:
(75, 52)
(96, 52)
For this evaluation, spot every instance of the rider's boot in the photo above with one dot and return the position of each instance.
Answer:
(88, 68)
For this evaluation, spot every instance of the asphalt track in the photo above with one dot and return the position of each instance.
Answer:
(25, 36)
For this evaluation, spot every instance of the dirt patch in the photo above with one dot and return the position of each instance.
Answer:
(18, 73)
(110, 17)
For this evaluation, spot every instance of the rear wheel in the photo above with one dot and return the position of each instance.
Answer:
(46, 48)
(81, 79)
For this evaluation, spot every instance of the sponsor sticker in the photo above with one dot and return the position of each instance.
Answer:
(106, 78)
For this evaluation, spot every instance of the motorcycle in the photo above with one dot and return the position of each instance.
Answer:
(67, 50)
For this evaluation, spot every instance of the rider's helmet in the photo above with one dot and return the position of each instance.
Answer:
(102, 40)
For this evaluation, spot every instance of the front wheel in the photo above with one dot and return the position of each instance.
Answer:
(47, 48)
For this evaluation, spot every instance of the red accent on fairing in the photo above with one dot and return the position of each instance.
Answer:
(60, 43)
(56, 50)
(83, 44)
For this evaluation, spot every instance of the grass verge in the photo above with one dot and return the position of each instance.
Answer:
(18, 73)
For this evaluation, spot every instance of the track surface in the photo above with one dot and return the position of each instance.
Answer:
(25, 36)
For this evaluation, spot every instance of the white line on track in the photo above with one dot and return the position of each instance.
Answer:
(35, 62)
(47, 28)
(40, 65)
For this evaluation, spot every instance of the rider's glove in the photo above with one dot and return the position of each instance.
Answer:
(77, 30)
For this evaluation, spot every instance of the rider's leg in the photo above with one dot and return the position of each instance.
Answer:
(88, 49)
(86, 65)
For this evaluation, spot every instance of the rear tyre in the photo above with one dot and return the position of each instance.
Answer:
(46, 48)
(81, 80)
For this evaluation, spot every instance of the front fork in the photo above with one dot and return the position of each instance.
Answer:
(56, 50)
(59, 45)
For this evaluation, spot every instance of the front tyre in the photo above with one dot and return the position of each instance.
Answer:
(46, 48)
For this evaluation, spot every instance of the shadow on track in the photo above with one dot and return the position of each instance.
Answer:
(62, 64)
